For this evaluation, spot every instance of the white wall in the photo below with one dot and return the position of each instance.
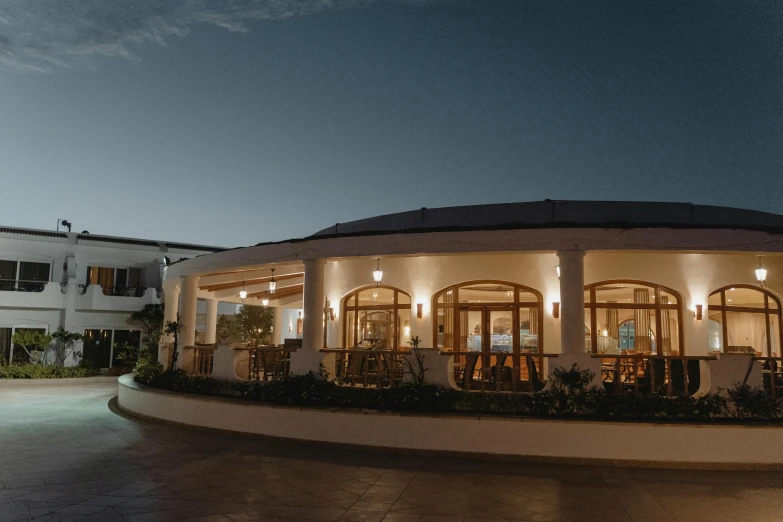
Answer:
(693, 276)
(63, 305)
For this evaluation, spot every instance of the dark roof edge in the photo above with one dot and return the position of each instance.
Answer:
(32, 232)
(187, 246)
(619, 225)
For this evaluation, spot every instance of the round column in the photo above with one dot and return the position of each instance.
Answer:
(170, 304)
(572, 301)
(187, 316)
(313, 325)
(210, 334)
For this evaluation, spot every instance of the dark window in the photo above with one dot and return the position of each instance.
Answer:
(8, 275)
(129, 337)
(33, 276)
(5, 344)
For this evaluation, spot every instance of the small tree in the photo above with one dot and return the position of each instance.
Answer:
(151, 319)
(64, 344)
(228, 327)
(415, 364)
(255, 322)
(31, 341)
(173, 328)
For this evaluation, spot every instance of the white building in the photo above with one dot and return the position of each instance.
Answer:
(83, 282)
(558, 278)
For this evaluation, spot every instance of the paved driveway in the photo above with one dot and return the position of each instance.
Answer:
(64, 455)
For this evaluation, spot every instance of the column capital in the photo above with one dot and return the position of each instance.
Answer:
(571, 253)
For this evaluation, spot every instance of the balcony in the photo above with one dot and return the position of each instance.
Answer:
(30, 294)
(114, 298)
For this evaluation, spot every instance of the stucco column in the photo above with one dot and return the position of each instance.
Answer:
(170, 309)
(210, 335)
(313, 327)
(308, 358)
(572, 301)
(187, 316)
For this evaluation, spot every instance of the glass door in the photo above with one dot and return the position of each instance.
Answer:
(97, 347)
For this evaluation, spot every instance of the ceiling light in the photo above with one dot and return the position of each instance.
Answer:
(377, 274)
(272, 283)
(761, 274)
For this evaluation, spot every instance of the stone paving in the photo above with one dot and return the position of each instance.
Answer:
(65, 456)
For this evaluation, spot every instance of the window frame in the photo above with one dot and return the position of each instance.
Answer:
(395, 307)
(594, 306)
(767, 311)
(515, 306)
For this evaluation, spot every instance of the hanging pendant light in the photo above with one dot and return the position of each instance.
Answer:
(761, 274)
(377, 274)
(243, 292)
(265, 301)
(272, 283)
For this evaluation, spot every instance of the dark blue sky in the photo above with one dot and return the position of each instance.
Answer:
(238, 122)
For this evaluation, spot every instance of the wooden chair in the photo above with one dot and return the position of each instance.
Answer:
(502, 375)
(535, 383)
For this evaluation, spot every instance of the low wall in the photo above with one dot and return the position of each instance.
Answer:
(698, 446)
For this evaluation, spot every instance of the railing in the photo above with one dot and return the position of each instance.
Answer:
(674, 375)
(772, 374)
(515, 371)
(267, 363)
(368, 368)
(203, 357)
(12, 285)
(124, 291)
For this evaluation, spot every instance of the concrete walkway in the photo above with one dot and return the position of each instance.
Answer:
(64, 456)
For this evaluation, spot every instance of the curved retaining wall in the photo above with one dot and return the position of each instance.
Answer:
(701, 446)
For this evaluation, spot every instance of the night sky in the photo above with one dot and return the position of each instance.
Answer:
(233, 123)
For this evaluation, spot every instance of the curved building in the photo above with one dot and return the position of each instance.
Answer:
(540, 278)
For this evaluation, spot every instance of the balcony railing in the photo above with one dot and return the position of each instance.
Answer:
(203, 357)
(124, 291)
(368, 368)
(515, 371)
(267, 363)
(12, 285)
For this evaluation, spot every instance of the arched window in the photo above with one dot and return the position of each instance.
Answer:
(488, 316)
(633, 315)
(380, 313)
(744, 318)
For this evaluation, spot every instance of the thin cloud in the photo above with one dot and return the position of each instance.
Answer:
(44, 36)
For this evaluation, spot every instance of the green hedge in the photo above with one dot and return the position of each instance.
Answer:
(568, 398)
(36, 371)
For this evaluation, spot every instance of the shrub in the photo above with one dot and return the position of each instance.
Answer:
(36, 371)
(753, 403)
(568, 397)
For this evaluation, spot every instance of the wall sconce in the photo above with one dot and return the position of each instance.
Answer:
(419, 310)
(698, 313)
(331, 314)
(556, 310)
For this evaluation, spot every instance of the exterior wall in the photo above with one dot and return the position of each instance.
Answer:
(697, 446)
(693, 275)
(65, 300)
